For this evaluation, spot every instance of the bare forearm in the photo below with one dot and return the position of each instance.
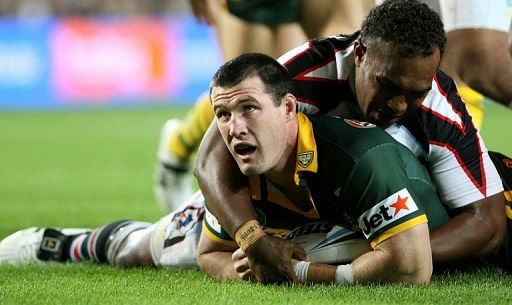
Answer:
(373, 267)
(222, 184)
(475, 232)
(218, 265)
(380, 267)
(404, 258)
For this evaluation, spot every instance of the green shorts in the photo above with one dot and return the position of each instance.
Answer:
(267, 12)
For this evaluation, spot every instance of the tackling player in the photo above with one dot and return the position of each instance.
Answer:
(386, 74)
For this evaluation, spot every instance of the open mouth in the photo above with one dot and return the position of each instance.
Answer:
(244, 149)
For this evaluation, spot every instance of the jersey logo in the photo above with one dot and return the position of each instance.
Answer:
(304, 159)
(212, 221)
(359, 124)
(50, 244)
(389, 210)
(181, 224)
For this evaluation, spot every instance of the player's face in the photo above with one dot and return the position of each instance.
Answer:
(252, 127)
(388, 87)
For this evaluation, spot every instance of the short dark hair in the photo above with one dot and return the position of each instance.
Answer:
(274, 76)
(411, 24)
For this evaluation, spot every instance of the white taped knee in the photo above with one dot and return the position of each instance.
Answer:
(116, 239)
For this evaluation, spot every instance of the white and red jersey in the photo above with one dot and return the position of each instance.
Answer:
(440, 132)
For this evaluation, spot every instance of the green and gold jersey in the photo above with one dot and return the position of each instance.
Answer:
(357, 176)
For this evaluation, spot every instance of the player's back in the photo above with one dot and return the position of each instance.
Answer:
(360, 165)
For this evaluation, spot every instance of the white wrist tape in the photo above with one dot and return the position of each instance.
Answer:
(301, 270)
(345, 275)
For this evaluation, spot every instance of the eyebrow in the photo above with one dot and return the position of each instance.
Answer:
(245, 99)
(388, 82)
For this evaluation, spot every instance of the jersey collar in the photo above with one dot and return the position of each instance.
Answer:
(307, 157)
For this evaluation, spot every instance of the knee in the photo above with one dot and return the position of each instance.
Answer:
(134, 252)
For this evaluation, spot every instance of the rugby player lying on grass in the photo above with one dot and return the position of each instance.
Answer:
(301, 169)
(387, 74)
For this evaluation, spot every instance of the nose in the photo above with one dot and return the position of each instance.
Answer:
(237, 126)
(398, 104)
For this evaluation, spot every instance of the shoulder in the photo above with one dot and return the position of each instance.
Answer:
(443, 103)
(317, 50)
(345, 144)
(348, 133)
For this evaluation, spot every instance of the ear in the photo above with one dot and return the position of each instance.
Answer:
(290, 105)
(359, 52)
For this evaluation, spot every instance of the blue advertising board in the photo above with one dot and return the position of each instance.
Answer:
(89, 62)
(24, 66)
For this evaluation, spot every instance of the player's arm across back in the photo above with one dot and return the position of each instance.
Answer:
(477, 230)
(224, 187)
(475, 193)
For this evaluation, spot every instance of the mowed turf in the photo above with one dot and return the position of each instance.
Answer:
(85, 168)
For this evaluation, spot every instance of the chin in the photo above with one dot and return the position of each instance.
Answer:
(251, 170)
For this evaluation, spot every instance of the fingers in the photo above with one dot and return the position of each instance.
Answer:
(246, 276)
(299, 253)
(270, 260)
(241, 264)
(238, 255)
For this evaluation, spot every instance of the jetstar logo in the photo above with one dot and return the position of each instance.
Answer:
(389, 210)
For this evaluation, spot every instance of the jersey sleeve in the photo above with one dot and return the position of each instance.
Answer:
(384, 202)
(214, 231)
(458, 159)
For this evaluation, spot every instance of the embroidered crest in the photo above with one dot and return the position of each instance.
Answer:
(359, 124)
(304, 159)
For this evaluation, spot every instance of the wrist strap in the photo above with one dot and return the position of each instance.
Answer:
(300, 268)
(345, 275)
(248, 234)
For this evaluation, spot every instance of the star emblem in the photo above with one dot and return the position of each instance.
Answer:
(400, 204)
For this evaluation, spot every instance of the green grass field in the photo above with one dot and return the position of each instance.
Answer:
(85, 168)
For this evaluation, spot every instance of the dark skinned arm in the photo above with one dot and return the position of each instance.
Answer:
(477, 230)
(224, 187)
(226, 190)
